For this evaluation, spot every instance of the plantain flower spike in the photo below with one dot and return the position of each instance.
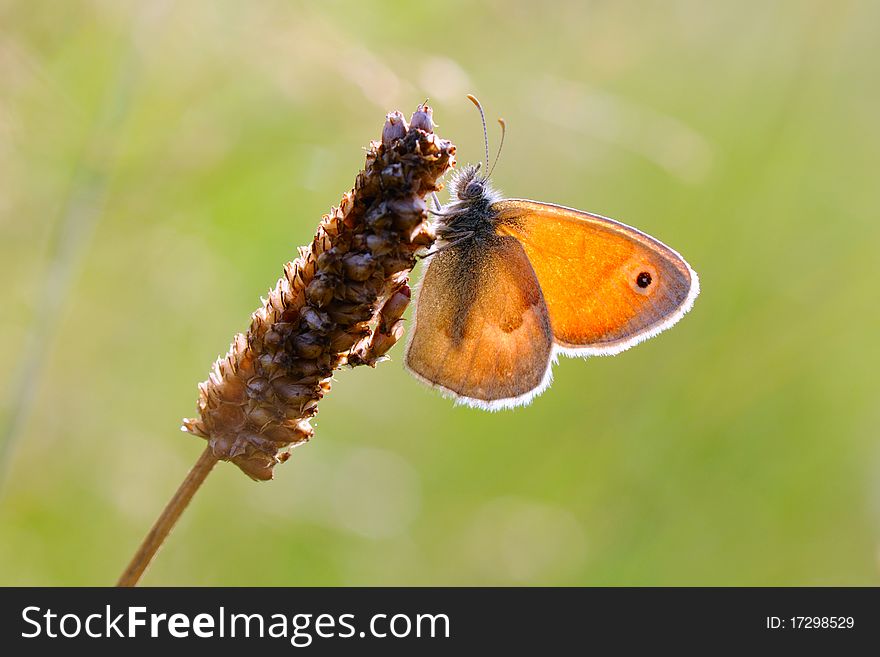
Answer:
(339, 303)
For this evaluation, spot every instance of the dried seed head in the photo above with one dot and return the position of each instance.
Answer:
(358, 266)
(339, 302)
(395, 306)
(320, 291)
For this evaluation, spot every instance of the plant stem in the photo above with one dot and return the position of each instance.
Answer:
(165, 523)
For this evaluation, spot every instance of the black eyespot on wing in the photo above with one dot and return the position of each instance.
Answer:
(641, 276)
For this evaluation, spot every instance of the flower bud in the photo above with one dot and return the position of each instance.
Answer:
(395, 128)
(423, 118)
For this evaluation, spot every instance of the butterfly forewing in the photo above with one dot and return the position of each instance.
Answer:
(607, 286)
(482, 330)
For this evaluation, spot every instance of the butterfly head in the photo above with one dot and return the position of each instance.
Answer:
(469, 185)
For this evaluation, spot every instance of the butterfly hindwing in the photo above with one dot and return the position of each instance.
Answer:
(482, 330)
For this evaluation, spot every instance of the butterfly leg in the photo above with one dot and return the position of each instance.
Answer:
(438, 212)
(461, 237)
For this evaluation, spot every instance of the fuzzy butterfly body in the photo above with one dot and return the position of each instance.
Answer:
(515, 282)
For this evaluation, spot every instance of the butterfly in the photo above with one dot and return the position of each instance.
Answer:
(513, 283)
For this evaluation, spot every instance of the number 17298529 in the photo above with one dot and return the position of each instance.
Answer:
(810, 623)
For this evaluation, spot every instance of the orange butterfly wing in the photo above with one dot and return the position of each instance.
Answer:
(607, 286)
(481, 327)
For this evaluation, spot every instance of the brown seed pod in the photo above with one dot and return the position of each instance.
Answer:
(339, 302)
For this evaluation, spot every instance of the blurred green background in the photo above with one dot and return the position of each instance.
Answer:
(160, 161)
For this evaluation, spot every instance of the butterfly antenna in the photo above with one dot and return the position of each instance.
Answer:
(500, 146)
(485, 131)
